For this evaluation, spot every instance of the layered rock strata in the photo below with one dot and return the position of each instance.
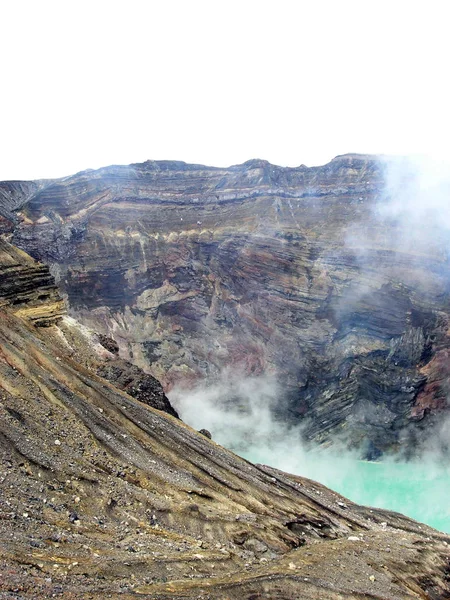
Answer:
(27, 288)
(28, 291)
(257, 269)
(105, 496)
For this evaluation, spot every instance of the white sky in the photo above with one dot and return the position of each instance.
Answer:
(88, 84)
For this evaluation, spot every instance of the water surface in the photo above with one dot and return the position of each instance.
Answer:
(419, 489)
(239, 414)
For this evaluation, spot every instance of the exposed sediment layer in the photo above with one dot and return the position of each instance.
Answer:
(260, 269)
(27, 287)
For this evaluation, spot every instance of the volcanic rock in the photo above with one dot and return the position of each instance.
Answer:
(133, 503)
(257, 269)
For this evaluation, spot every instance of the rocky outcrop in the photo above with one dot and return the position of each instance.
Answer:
(13, 195)
(261, 269)
(136, 383)
(104, 496)
(28, 291)
(27, 287)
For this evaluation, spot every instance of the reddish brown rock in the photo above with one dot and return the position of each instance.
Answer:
(288, 271)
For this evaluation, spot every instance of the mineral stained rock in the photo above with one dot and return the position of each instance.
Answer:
(257, 268)
(103, 496)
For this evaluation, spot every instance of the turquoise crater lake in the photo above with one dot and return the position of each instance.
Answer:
(418, 489)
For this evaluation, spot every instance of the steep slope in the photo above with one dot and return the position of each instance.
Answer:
(104, 496)
(260, 269)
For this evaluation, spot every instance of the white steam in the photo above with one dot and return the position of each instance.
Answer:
(239, 414)
(412, 216)
(418, 193)
(237, 410)
(415, 206)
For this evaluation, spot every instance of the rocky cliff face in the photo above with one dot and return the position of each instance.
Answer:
(260, 269)
(28, 291)
(27, 288)
(104, 496)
